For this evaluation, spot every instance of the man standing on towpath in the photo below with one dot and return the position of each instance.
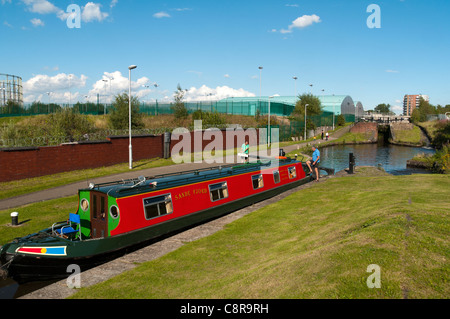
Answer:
(315, 162)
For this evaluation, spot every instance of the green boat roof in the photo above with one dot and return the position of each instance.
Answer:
(140, 185)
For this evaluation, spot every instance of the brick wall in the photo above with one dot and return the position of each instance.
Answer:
(39, 161)
(369, 129)
(20, 163)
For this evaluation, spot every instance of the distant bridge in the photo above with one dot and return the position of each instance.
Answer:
(385, 119)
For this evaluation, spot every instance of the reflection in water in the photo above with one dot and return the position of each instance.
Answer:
(392, 158)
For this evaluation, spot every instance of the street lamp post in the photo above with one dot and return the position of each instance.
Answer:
(130, 149)
(295, 81)
(334, 110)
(70, 89)
(104, 107)
(260, 75)
(48, 107)
(269, 131)
(305, 119)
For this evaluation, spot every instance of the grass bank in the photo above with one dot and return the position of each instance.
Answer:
(409, 135)
(29, 185)
(316, 243)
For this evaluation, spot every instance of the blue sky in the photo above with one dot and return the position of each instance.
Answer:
(214, 49)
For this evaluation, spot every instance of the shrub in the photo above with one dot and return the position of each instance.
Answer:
(118, 118)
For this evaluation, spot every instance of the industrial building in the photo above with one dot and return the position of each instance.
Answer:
(11, 89)
(284, 105)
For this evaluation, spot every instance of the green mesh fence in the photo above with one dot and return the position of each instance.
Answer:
(247, 108)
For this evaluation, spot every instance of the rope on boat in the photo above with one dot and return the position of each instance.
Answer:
(4, 268)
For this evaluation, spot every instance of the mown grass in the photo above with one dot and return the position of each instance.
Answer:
(35, 217)
(413, 136)
(316, 243)
(29, 185)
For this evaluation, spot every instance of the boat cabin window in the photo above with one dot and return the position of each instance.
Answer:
(257, 181)
(218, 191)
(292, 172)
(158, 206)
(276, 177)
(99, 211)
(114, 211)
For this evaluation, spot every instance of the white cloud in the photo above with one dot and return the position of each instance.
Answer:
(205, 93)
(302, 22)
(161, 14)
(115, 84)
(397, 109)
(62, 87)
(37, 22)
(392, 71)
(42, 83)
(41, 6)
(7, 24)
(182, 9)
(92, 12)
(226, 76)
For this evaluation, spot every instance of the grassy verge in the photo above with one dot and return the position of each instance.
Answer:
(411, 137)
(36, 217)
(316, 243)
(29, 185)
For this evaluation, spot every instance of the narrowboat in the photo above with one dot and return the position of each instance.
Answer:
(113, 217)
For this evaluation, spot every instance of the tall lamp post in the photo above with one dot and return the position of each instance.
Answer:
(305, 119)
(130, 149)
(260, 75)
(104, 106)
(295, 81)
(48, 107)
(268, 124)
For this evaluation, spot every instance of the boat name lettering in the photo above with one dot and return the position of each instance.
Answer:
(196, 191)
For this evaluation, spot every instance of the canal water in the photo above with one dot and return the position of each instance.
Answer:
(392, 158)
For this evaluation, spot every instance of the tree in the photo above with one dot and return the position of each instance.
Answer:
(314, 108)
(68, 123)
(341, 120)
(383, 108)
(118, 118)
(420, 113)
(179, 109)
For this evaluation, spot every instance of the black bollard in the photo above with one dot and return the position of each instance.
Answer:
(15, 219)
(351, 164)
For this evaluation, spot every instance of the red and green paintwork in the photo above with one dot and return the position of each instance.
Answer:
(128, 226)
